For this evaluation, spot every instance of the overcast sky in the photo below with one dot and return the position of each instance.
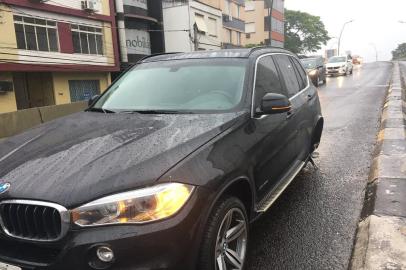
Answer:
(375, 21)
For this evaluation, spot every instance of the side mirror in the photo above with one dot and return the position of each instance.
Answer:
(93, 100)
(274, 103)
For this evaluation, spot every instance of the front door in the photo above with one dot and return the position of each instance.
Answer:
(275, 134)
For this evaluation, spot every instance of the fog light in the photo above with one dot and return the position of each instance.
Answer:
(105, 254)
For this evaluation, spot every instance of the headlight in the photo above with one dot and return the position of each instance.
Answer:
(139, 206)
(313, 72)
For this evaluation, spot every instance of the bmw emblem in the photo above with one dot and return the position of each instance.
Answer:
(4, 187)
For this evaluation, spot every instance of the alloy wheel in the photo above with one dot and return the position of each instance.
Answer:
(231, 243)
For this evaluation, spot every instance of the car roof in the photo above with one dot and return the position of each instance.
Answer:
(227, 53)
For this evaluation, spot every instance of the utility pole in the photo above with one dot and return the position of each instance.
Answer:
(121, 32)
(376, 51)
(195, 39)
(341, 33)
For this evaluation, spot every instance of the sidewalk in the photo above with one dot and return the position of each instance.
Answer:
(381, 237)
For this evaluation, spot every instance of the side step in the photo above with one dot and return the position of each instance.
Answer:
(271, 197)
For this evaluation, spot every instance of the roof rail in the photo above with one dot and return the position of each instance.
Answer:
(253, 49)
(156, 54)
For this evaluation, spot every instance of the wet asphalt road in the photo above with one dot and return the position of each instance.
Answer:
(312, 225)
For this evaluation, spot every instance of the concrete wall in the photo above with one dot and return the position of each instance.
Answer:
(8, 40)
(16, 122)
(177, 18)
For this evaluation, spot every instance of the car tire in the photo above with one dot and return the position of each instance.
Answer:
(225, 240)
(351, 71)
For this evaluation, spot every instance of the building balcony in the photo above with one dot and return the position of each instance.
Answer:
(232, 22)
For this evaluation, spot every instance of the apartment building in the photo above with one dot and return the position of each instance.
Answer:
(55, 52)
(140, 29)
(233, 13)
(192, 25)
(263, 23)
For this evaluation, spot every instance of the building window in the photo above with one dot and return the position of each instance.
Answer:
(227, 7)
(277, 26)
(83, 89)
(250, 27)
(229, 35)
(278, 5)
(36, 34)
(87, 40)
(200, 23)
(249, 6)
(213, 27)
(238, 38)
(238, 11)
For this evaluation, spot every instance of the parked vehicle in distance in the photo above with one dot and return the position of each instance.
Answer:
(316, 69)
(356, 60)
(339, 65)
(166, 169)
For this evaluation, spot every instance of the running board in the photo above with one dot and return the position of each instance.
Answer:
(271, 197)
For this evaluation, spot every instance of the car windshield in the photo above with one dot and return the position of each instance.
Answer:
(309, 63)
(336, 59)
(180, 85)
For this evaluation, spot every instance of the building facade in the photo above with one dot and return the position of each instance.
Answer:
(233, 13)
(55, 52)
(263, 23)
(192, 25)
(140, 29)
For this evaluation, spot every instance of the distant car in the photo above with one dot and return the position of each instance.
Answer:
(316, 69)
(339, 65)
(356, 60)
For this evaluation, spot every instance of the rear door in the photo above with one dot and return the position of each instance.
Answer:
(295, 84)
(306, 100)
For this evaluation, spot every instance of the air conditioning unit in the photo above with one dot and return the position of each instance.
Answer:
(88, 6)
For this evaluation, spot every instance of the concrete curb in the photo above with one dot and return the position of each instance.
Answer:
(381, 236)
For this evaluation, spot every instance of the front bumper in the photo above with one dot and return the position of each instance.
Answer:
(336, 71)
(169, 244)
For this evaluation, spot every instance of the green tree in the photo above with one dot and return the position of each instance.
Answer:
(304, 32)
(399, 52)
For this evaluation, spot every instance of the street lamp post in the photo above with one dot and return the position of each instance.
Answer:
(341, 33)
(376, 51)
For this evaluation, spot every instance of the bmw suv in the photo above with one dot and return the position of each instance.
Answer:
(165, 170)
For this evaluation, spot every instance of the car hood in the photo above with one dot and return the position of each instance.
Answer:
(338, 64)
(88, 155)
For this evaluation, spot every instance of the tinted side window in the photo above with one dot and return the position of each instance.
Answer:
(288, 74)
(301, 74)
(267, 80)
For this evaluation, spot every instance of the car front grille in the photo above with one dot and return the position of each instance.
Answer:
(31, 220)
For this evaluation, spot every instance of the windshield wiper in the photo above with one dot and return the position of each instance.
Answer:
(157, 112)
(94, 109)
